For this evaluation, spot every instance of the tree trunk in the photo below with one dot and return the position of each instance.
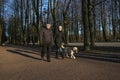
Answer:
(36, 9)
(104, 24)
(86, 25)
(54, 14)
(48, 12)
(76, 22)
(113, 20)
(65, 21)
(65, 27)
(119, 20)
(91, 22)
(1, 31)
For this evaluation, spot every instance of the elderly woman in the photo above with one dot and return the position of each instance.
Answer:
(59, 39)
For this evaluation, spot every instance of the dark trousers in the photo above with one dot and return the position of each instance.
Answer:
(59, 51)
(46, 50)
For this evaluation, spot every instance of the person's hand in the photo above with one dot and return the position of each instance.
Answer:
(41, 44)
(63, 45)
(53, 43)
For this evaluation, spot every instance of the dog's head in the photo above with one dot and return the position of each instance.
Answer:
(75, 49)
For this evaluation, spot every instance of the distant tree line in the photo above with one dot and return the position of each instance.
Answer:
(87, 21)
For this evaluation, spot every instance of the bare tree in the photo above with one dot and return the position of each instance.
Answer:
(65, 20)
(2, 21)
(86, 25)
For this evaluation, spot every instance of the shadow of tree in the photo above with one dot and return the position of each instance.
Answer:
(107, 48)
(22, 54)
(95, 53)
(26, 51)
(100, 56)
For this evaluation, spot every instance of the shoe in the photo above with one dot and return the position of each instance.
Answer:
(56, 57)
(48, 60)
(43, 58)
(62, 57)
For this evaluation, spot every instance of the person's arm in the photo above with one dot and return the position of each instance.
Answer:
(55, 37)
(52, 38)
(41, 36)
(63, 38)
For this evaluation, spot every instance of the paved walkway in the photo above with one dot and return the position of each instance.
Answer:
(19, 63)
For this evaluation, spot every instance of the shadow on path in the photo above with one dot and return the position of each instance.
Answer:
(109, 53)
(100, 56)
(22, 54)
(32, 48)
(107, 48)
(26, 51)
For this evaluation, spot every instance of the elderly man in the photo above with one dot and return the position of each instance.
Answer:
(47, 41)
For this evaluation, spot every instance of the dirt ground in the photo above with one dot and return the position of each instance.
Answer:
(23, 63)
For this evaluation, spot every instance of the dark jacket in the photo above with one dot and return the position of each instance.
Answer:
(59, 39)
(46, 36)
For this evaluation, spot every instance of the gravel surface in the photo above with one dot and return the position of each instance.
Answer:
(26, 64)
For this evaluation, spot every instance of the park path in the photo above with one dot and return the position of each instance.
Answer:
(21, 63)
